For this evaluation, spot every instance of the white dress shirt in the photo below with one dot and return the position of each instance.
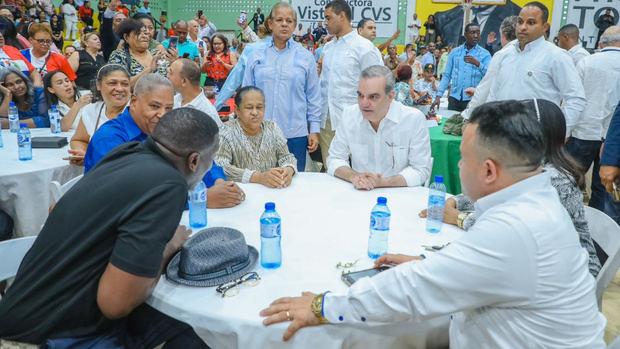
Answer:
(202, 103)
(577, 53)
(600, 74)
(542, 70)
(400, 146)
(344, 59)
(517, 279)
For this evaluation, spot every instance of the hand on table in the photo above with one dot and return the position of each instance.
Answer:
(77, 157)
(313, 142)
(299, 311)
(178, 239)
(450, 213)
(436, 102)
(367, 181)
(275, 177)
(224, 194)
(395, 259)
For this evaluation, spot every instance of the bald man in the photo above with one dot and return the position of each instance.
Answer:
(185, 48)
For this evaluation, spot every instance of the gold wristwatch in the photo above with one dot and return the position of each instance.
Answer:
(317, 308)
(461, 218)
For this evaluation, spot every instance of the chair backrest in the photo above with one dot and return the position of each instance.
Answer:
(11, 254)
(606, 233)
(428, 180)
(57, 190)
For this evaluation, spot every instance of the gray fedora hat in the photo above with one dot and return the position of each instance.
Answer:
(212, 257)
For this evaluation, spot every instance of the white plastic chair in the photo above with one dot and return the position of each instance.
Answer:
(11, 254)
(606, 233)
(57, 190)
(428, 180)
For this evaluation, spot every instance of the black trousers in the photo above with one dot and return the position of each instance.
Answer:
(455, 104)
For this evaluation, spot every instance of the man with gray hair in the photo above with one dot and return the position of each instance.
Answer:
(507, 33)
(600, 74)
(388, 143)
(568, 39)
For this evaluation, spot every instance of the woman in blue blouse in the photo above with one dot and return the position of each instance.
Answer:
(30, 100)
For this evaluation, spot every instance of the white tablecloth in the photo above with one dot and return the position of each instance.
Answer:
(324, 221)
(25, 185)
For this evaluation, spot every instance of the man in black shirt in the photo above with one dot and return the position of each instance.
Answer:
(604, 21)
(105, 244)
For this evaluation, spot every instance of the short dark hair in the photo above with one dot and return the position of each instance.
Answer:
(185, 130)
(243, 91)
(102, 73)
(510, 132)
(141, 15)
(190, 71)
(570, 30)
(338, 6)
(51, 98)
(553, 126)
(542, 7)
(469, 25)
(363, 22)
(127, 27)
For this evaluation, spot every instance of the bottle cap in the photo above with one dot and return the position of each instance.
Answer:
(53, 106)
(381, 200)
(270, 206)
(12, 104)
(23, 125)
(438, 179)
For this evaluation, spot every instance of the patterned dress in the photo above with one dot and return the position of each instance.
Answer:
(241, 155)
(124, 58)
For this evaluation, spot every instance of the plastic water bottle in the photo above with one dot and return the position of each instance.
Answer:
(54, 119)
(216, 92)
(379, 229)
(436, 202)
(24, 143)
(270, 236)
(198, 206)
(13, 117)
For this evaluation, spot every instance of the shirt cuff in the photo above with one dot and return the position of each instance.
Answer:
(315, 127)
(247, 175)
(335, 310)
(334, 164)
(412, 177)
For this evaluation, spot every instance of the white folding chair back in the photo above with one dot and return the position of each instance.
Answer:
(606, 233)
(11, 254)
(428, 180)
(57, 190)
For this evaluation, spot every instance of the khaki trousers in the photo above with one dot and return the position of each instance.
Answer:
(325, 139)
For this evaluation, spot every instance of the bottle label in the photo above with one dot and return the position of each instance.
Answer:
(270, 230)
(379, 223)
(436, 200)
(23, 138)
(200, 196)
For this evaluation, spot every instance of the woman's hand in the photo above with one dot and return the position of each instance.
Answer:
(288, 173)
(273, 178)
(154, 62)
(85, 100)
(77, 157)
(5, 91)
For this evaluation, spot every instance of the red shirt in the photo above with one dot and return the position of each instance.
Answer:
(85, 12)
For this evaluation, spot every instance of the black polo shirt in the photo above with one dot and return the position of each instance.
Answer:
(123, 211)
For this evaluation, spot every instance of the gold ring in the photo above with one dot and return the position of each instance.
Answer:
(288, 316)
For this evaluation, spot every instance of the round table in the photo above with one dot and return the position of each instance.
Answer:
(324, 221)
(25, 193)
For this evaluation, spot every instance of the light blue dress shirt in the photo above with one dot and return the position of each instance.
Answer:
(235, 77)
(460, 74)
(290, 82)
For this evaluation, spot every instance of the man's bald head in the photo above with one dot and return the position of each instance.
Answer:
(611, 37)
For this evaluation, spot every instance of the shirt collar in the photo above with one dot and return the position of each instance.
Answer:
(512, 192)
(575, 48)
(611, 48)
(531, 45)
(131, 128)
(393, 114)
(270, 43)
(350, 36)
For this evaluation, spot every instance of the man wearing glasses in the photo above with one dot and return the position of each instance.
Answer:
(40, 55)
(388, 143)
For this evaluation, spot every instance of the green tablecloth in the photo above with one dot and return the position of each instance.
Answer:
(445, 151)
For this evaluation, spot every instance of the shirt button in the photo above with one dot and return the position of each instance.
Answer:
(340, 318)
(363, 319)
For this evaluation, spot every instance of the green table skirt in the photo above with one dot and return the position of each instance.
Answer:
(446, 154)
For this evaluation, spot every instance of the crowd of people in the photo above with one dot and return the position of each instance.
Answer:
(146, 128)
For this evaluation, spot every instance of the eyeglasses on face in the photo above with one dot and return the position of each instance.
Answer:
(231, 288)
(44, 42)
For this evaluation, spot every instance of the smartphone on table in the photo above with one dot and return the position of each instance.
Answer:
(352, 277)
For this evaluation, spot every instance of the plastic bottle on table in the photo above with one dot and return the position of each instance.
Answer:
(54, 119)
(379, 229)
(13, 117)
(270, 236)
(436, 202)
(198, 206)
(24, 143)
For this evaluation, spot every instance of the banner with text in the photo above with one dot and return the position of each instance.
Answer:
(585, 13)
(383, 12)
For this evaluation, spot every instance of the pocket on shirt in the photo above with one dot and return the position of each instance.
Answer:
(401, 158)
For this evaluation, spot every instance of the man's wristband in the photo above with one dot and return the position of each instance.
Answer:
(317, 307)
